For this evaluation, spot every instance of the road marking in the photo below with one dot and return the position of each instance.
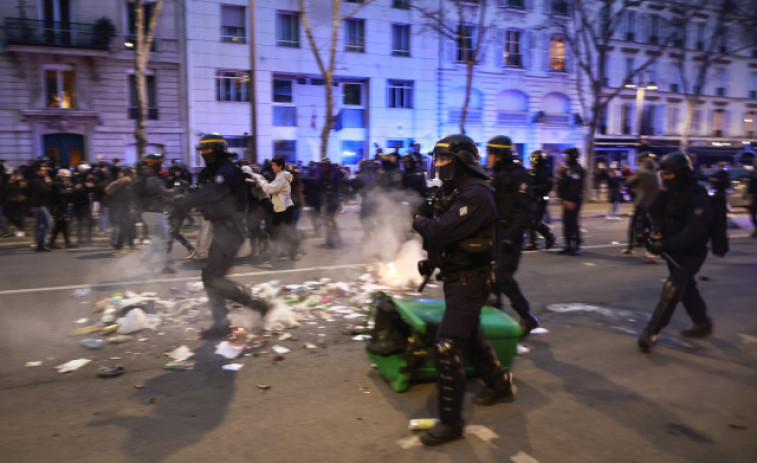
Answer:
(178, 279)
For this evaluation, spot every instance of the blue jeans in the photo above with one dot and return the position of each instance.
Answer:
(42, 221)
(158, 226)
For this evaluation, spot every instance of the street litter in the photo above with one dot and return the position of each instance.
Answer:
(180, 353)
(285, 336)
(233, 366)
(280, 350)
(361, 337)
(72, 365)
(109, 371)
(180, 365)
(308, 345)
(86, 329)
(119, 339)
(539, 330)
(92, 343)
(264, 387)
(420, 424)
(33, 364)
(135, 320)
(81, 292)
(82, 321)
(228, 350)
(521, 349)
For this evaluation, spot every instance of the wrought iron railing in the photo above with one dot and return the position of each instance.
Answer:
(21, 31)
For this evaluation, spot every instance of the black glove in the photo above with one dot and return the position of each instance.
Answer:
(654, 246)
(425, 209)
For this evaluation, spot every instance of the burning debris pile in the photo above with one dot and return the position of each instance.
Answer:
(128, 318)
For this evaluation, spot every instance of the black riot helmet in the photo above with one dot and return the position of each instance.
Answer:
(213, 147)
(573, 155)
(538, 158)
(462, 150)
(153, 161)
(676, 170)
(501, 148)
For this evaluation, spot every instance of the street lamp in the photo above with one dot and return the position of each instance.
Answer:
(640, 90)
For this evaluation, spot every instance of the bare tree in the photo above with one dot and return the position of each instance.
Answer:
(327, 66)
(728, 28)
(469, 14)
(589, 33)
(143, 43)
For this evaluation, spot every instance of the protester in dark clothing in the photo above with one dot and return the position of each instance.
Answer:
(541, 186)
(570, 191)
(298, 194)
(470, 214)
(84, 189)
(365, 184)
(40, 200)
(152, 197)
(413, 178)
(16, 201)
(614, 193)
(119, 195)
(62, 193)
(752, 191)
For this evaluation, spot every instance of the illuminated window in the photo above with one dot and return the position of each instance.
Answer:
(513, 48)
(232, 86)
(60, 88)
(557, 53)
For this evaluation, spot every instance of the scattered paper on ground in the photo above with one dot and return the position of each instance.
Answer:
(228, 350)
(539, 330)
(233, 366)
(482, 432)
(280, 349)
(72, 365)
(33, 364)
(521, 349)
(180, 353)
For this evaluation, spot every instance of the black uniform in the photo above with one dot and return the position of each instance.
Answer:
(467, 281)
(570, 188)
(515, 207)
(752, 191)
(541, 185)
(223, 202)
(681, 219)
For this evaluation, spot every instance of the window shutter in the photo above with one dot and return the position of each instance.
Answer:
(499, 48)
(544, 49)
(659, 124)
(526, 47)
(450, 47)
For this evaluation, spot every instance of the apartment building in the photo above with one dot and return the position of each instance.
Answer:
(68, 88)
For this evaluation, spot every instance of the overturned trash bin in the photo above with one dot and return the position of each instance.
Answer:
(402, 339)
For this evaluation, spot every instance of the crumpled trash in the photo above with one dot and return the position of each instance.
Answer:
(521, 349)
(87, 329)
(35, 363)
(119, 339)
(180, 365)
(92, 343)
(81, 292)
(180, 353)
(72, 365)
(280, 349)
(135, 320)
(229, 350)
(152, 321)
(539, 330)
(109, 371)
(233, 366)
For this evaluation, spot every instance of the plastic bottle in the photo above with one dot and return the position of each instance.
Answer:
(419, 424)
(92, 343)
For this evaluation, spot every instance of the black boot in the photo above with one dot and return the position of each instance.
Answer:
(527, 323)
(218, 330)
(698, 330)
(441, 434)
(646, 341)
(549, 241)
(669, 298)
(490, 395)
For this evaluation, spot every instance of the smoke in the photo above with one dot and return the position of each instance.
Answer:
(389, 226)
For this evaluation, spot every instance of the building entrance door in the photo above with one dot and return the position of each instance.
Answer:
(64, 148)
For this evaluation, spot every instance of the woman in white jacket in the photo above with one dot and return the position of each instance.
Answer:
(280, 190)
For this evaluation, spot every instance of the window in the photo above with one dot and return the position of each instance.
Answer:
(282, 91)
(559, 7)
(60, 88)
(723, 45)
(287, 29)
(352, 151)
(519, 4)
(352, 94)
(465, 44)
(750, 124)
(753, 85)
(676, 84)
(701, 29)
(355, 35)
(673, 120)
(399, 94)
(557, 53)
(696, 122)
(718, 122)
(721, 82)
(654, 29)
(400, 40)
(131, 23)
(630, 78)
(626, 114)
(401, 4)
(284, 115)
(152, 104)
(629, 25)
(232, 24)
(232, 86)
(237, 141)
(679, 34)
(513, 48)
(287, 149)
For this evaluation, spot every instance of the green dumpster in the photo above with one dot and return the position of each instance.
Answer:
(402, 338)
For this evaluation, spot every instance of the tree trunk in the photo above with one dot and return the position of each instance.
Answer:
(329, 119)
(468, 85)
(691, 104)
(143, 43)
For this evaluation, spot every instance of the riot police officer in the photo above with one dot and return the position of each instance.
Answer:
(570, 187)
(515, 207)
(541, 185)
(223, 201)
(681, 217)
(461, 231)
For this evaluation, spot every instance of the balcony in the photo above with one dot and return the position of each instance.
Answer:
(21, 32)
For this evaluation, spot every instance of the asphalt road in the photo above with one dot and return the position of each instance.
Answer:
(585, 392)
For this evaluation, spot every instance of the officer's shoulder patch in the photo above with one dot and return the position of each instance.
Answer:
(463, 211)
(219, 179)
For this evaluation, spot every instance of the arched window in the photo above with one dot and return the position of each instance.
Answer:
(556, 107)
(512, 107)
